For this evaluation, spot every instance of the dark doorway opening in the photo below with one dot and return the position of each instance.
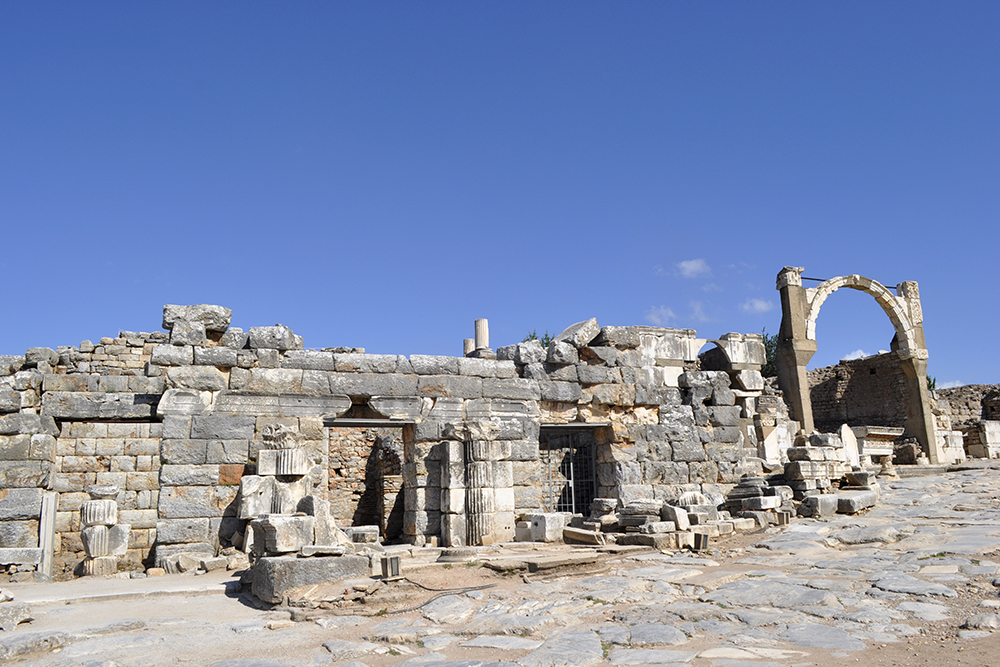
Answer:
(569, 457)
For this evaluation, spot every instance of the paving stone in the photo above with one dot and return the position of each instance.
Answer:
(820, 636)
(450, 609)
(656, 633)
(773, 593)
(639, 656)
(897, 582)
(566, 649)
(502, 643)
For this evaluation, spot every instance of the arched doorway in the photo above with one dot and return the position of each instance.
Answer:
(800, 308)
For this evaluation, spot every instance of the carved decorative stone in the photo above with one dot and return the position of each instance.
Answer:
(95, 541)
(99, 513)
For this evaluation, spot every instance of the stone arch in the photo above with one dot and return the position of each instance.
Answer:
(797, 343)
(908, 344)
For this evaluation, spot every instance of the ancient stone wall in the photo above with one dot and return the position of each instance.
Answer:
(176, 421)
(963, 406)
(862, 392)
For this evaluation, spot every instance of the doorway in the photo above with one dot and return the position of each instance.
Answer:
(569, 458)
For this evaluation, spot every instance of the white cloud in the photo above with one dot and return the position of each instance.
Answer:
(951, 385)
(660, 315)
(698, 312)
(857, 354)
(757, 306)
(692, 268)
(711, 287)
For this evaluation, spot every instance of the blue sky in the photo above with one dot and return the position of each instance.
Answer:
(381, 174)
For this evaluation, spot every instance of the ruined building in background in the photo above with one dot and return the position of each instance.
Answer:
(192, 433)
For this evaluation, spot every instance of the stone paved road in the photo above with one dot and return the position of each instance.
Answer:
(901, 578)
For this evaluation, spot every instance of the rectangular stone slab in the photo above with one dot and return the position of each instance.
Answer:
(274, 577)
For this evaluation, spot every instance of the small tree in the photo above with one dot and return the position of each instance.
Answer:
(770, 368)
(545, 339)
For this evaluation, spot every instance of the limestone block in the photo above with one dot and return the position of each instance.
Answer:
(363, 534)
(189, 475)
(219, 356)
(282, 533)
(99, 513)
(180, 502)
(183, 402)
(10, 400)
(453, 530)
(750, 380)
(658, 527)
(179, 531)
(220, 427)
(103, 566)
(423, 364)
(20, 504)
(453, 386)
(580, 536)
(14, 447)
(392, 407)
(278, 337)
(373, 384)
(325, 531)
(562, 352)
(851, 502)
(761, 502)
(19, 534)
(676, 515)
(580, 334)
(172, 355)
(235, 338)
(724, 415)
(548, 527)
(213, 318)
(453, 500)
(163, 554)
(566, 392)
(511, 389)
(95, 541)
(819, 505)
(184, 332)
(20, 555)
(275, 577)
(504, 499)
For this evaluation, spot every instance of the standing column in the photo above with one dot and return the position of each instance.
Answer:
(794, 347)
(480, 501)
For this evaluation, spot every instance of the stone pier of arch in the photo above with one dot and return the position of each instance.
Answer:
(800, 307)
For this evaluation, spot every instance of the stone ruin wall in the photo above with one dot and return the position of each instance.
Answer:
(175, 420)
(860, 392)
(963, 406)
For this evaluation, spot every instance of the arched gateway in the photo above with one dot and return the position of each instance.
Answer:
(797, 343)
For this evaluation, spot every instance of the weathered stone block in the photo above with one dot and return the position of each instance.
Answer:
(373, 384)
(184, 452)
(562, 352)
(580, 334)
(423, 364)
(200, 378)
(819, 505)
(14, 447)
(104, 566)
(10, 400)
(559, 391)
(850, 502)
(513, 389)
(724, 415)
(20, 504)
(180, 531)
(213, 318)
(172, 355)
(220, 356)
(390, 407)
(227, 451)
(276, 577)
(213, 427)
(235, 338)
(181, 502)
(278, 337)
(453, 386)
(282, 462)
(95, 541)
(19, 534)
(189, 475)
(313, 360)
